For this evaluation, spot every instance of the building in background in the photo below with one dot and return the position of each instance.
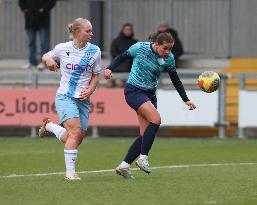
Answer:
(208, 28)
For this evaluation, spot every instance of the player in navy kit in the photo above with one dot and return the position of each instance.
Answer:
(149, 60)
(80, 66)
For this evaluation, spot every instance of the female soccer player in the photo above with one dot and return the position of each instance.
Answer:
(149, 60)
(80, 65)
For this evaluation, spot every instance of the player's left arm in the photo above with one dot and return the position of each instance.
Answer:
(92, 86)
(96, 70)
(180, 88)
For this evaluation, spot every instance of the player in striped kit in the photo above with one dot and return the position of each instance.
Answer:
(80, 66)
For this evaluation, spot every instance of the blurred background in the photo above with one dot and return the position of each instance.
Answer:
(199, 156)
(218, 35)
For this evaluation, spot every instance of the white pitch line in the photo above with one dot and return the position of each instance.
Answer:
(112, 170)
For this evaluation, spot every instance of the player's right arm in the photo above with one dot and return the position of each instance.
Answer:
(50, 63)
(51, 57)
(130, 53)
(116, 62)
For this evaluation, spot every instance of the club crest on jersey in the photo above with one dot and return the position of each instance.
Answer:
(88, 55)
(161, 61)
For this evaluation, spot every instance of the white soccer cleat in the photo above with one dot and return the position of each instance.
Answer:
(72, 177)
(125, 172)
(143, 165)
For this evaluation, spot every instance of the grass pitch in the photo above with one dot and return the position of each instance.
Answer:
(209, 171)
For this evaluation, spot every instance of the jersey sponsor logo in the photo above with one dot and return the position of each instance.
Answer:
(71, 66)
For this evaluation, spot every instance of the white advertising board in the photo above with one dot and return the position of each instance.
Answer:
(247, 115)
(174, 112)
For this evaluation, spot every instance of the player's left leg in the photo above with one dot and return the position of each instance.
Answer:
(74, 139)
(148, 112)
(76, 128)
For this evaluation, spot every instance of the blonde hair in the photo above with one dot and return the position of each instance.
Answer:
(76, 25)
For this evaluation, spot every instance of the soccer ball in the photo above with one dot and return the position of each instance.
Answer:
(209, 81)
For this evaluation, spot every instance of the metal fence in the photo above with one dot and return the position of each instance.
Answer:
(203, 25)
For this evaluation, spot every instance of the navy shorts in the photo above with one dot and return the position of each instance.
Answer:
(135, 96)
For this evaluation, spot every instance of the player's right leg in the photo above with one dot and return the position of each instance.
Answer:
(61, 103)
(124, 172)
(124, 168)
(73, 114)
(48, 126)
(133, 152)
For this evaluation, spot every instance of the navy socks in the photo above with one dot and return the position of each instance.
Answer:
(134, 150)
(148, 138)
(142, 145)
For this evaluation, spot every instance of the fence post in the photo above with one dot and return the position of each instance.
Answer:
(222, 107)
(33, 130)
(240, 130)
(95, 133)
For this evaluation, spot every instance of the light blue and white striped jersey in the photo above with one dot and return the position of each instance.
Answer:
(147, 65)
(77, 66)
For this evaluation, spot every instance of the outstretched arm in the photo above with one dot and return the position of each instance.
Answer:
(116, 62)
(180, 89)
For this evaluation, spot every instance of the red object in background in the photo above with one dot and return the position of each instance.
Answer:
(27, 107)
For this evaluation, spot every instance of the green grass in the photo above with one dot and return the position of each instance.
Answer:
(235, 184)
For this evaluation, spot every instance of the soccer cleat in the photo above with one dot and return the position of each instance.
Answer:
(125, 172)
(42, 129)
(72, 177)
(143, 165)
